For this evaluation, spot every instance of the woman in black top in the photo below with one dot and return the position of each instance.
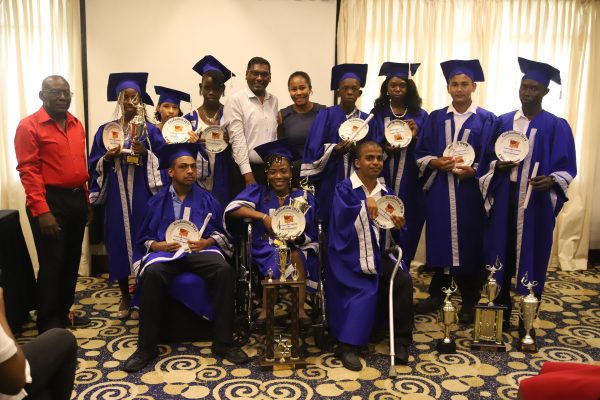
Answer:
(295, 120)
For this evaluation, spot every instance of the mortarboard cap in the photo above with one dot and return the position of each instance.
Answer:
(167, 95)
(171, 152)
(539, 72)
(344, 71)
(401, 70)
(119, 81)
(471, 68)
(209, 62)
(282, 147)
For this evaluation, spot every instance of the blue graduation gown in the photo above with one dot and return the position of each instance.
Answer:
(124, 191)
(402, 176)
(354, 266)
(454, 207)
(320, 163)
(216, 169)
(551, 144)
(264, 252)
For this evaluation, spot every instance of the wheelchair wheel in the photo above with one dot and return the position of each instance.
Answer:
(241, 330)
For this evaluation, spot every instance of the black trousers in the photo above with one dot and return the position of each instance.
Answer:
(403, 302)
(154, 284)
(469, 286)
(59, 257)
(52, 357)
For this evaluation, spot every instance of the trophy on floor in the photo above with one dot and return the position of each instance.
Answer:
(487, 333)
(301, 202)
(288, 223)
(528, 312)
(137, 129)
(447, 318)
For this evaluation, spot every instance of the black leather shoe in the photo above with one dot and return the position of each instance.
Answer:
(466, 315)
(139, 359)
(401, 355)
(429, 305)
(231, 353)
(349, 357)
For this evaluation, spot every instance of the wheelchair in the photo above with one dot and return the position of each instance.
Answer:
(248, 296)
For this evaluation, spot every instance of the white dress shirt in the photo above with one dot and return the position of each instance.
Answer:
(520, 124)
(459, 119)
(376, 193)
(249, 123)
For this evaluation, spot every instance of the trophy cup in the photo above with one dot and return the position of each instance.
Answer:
(447, 318)
(301, 203)
(487, 334)
(528, 310)
(282, 251)
(137, 127)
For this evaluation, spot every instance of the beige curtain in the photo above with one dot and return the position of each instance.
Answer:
(37, 38)
(562, 33)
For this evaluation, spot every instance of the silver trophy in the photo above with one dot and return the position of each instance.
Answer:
(137, 129)
(528, 312)
(300, 203)
(448, 317)
(487, 332)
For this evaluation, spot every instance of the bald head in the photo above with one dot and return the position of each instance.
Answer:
(56, 96)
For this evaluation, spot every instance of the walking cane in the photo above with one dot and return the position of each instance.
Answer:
(391, 313)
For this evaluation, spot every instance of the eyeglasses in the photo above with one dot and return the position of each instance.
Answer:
(58, 93)
(256, 74)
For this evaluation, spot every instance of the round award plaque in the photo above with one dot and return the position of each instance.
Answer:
(113, 135)
(213, 139)
(349, 129)
(388, 205)
(177, 130)
(512, 146)
(398, 133)
(180, 231)
(288, 223)
(463, 153)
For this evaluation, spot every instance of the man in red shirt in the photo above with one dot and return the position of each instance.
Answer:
(51, 157)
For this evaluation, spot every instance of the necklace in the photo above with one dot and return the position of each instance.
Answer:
(396, 115)
(282, 198)
(211, 120)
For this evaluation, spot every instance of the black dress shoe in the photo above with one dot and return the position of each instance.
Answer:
(231, 353)
(401, 355)
(349, 357)
(429, 305)
(466, 315)
(140, 359)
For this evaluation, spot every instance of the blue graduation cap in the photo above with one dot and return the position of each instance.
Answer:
(282, 147)
(168, 95)
(344, 71)
(401, 70)
(471, 68)
(209, 62)
(539, 71)
(171, 152)
(119, 81)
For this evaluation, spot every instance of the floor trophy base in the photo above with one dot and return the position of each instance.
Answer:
(277, 365)
(488, 346)
(446, 348)
(527, 347)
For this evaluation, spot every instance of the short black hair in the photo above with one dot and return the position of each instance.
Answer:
(413, 100)
(257, 61)
(301, 74)
(360, 146)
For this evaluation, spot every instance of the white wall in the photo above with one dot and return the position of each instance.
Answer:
(166, 38)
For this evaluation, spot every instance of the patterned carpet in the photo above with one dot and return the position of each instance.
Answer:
(568, 330)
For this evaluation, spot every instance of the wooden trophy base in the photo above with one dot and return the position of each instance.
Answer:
(488, 346)
(528, 348)
(134, 159)
(287, 354)
(446, 348)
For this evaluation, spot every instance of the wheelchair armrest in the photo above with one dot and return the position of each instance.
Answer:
(247, 220)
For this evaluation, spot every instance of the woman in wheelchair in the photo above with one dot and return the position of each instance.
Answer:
(258, 202)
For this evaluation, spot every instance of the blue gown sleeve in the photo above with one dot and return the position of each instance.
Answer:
(98, 169)
(319, 147)
(563, 163)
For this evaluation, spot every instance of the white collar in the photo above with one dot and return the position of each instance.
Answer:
(472, 109)
(519, 114)
(356, 183)
(251, 94)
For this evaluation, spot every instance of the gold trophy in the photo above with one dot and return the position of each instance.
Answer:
(487, 333)
(528, 312)
(301, 203)
(447, 317)
(282, 250)
(137, 127)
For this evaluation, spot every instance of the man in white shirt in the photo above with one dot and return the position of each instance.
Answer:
(250, 118)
